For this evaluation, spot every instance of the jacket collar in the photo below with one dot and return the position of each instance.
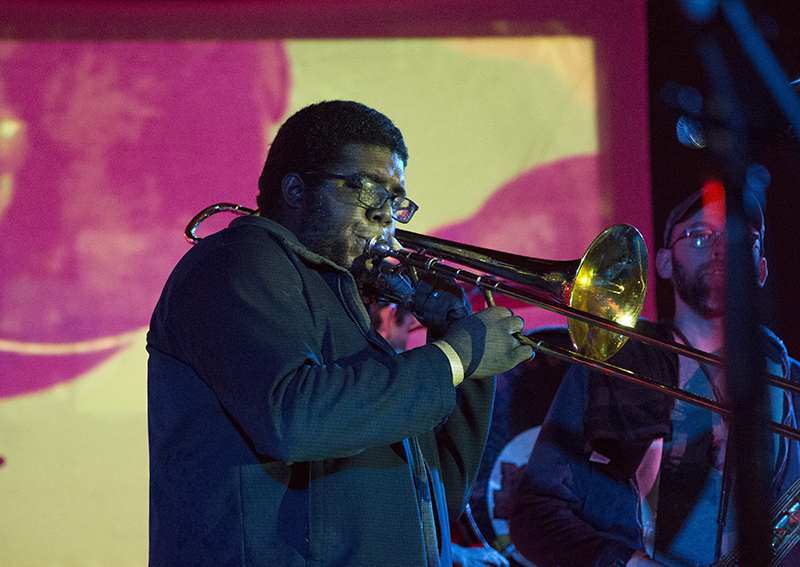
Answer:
(348, 289)
(288, 238)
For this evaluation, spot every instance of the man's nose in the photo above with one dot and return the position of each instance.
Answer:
(382, 215)
(718, 244)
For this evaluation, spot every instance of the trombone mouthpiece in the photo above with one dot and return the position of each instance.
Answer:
(377, 247)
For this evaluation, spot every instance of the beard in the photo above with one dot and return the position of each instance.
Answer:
(701, 290)
(322, 236)
(319, 234)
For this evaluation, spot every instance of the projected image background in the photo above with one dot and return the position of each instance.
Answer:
(107, 149)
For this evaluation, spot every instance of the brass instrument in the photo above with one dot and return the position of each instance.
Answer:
(608, 282)
(605, 288)
(602, 294)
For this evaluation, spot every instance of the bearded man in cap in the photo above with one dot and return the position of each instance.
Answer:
(610, 449)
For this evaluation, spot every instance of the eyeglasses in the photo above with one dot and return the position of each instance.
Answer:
(705, 238)
(374, 196)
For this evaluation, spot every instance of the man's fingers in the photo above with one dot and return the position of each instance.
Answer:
(517, 324)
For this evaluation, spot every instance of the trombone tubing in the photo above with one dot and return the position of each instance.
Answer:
(626, 374)
(490, 283)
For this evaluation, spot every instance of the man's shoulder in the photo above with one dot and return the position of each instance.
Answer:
(246, 245)
(776, 351)
(772, 340)
(658, 330)
(661, 329)
(250, 237)
(254, 229)
(646, 359)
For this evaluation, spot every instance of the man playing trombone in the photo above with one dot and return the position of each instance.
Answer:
(608, 446)
(283, 429)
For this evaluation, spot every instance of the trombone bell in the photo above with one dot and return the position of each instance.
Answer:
(610, 282)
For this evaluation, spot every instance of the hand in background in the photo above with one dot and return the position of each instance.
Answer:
(639, 559)
(477, 557)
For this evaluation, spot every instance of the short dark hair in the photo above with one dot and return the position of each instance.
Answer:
(312, 139)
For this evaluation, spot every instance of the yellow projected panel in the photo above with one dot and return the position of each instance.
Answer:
(475, 113)
(502, 135)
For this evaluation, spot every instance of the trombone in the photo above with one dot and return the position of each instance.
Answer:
(602, 294)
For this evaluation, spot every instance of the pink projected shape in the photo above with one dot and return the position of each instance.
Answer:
(106, 149)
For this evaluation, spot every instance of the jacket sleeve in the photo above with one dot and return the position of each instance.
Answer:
(461, 440)
(564, 512)
(248, 322)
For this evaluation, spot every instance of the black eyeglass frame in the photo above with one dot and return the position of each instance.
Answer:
(399, 204)
(701, 238)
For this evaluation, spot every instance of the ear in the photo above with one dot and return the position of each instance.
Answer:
(664, 263)
(292, 189)
(762, 271)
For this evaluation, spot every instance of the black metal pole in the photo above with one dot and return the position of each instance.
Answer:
(748, 445)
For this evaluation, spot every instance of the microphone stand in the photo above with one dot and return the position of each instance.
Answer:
(745, 357)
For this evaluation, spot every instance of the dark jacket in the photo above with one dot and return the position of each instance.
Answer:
(572, 510)
(283, 429)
